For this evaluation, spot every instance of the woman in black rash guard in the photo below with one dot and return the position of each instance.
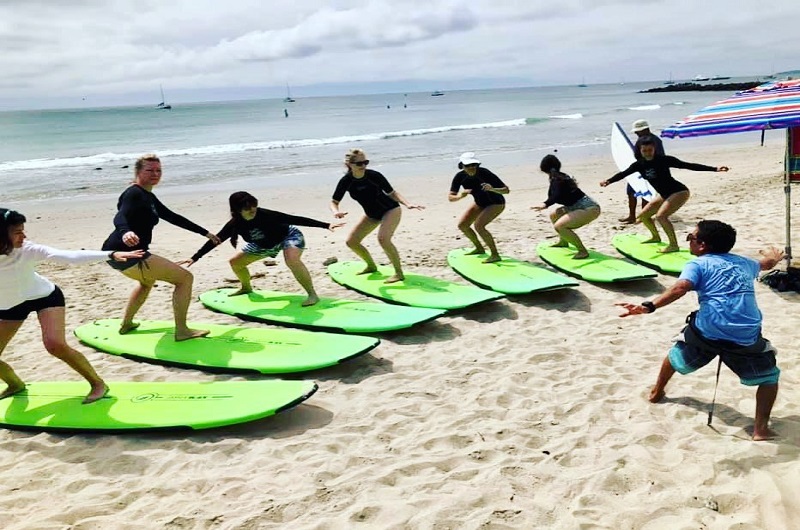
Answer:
(381, 205)
(577, 210)
(671, 193)
(487, 189)
(266, 233)
(138, 212)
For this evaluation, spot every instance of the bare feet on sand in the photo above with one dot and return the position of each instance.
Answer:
(188, 334)
(656, 395)
(627, 220)
(311, 300)
(762, 435)
(127, 327)
(394, 278)
(11, 390)
(98, 392)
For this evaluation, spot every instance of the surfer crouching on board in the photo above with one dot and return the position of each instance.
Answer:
(577, 210)
(671, 196)
(642, 131)
(381, 205)
(23, 292)
(138, 212)
(487, 190)
(266, 233)
(728, 323)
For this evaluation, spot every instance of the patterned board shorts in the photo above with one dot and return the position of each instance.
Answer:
(293, 239)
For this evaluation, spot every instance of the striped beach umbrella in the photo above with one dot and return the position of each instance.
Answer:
(774, 105)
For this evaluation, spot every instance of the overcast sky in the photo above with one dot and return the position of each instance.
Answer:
(122, 50)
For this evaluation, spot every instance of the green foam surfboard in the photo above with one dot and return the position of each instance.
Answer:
(135, 406)
(416, 290)
(268, 351)
(648, 254)
(331, 314)
(596, 268)
(507, 276)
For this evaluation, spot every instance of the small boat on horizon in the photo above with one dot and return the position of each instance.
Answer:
(437, 93)
(719, 77)
(163, 105)
(288, 98)
(701, 78)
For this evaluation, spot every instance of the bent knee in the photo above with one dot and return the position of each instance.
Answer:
(56, 346)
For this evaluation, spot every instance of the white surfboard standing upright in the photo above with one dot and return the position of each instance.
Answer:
(622, 152)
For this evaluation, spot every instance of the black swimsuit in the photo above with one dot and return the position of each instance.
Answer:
(656, 172)
(473, 183)
(371, 192)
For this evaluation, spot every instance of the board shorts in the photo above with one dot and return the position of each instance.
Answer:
(21, 311)
(754, 364)
(130, 262)
(293, 239)
(584, 203)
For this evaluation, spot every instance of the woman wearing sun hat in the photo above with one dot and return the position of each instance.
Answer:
(487, 190)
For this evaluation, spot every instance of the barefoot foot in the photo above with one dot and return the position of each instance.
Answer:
(127, 327)
(475, 252)
(627, 220)
(583, 254)
(369, 270)
(311, 300)
(188, 334)
(560, 244)
(11, 390)
(492, 259)
(669, 248)
(656, 395)
(242, 291)
(766, 434)
(395, 278)
(652, 240)
(98, 392)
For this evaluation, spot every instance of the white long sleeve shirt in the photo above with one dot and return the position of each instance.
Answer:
(19, 281)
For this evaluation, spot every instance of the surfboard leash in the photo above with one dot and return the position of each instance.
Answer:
(714, 399)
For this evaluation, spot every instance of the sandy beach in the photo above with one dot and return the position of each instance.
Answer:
(529, 412)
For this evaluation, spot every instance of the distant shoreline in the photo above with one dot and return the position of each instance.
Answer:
(697, 87)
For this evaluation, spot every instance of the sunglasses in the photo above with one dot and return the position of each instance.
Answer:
(362, 163)
(691, 237)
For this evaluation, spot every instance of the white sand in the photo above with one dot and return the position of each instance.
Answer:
(524, 413)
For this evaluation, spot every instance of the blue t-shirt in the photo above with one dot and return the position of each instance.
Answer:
(724, 285)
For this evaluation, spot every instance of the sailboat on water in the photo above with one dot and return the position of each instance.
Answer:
(288, 98)
(163, 105)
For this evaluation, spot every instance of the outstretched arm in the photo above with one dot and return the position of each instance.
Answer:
(399, 198)
(770, 257)
(678, 289)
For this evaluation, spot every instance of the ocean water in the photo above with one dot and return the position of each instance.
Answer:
(61, 154)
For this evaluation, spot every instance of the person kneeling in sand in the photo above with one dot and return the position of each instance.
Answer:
(728, 322)
(266, 233)
(578, 208)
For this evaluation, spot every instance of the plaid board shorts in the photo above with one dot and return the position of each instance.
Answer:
(293, 239)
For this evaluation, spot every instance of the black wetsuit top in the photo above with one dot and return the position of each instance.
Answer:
(656, 172)
(267, 229)
(139, 211)
(563, 190)
(371, 192)
(473, 183)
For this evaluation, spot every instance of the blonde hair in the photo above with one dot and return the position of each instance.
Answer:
(352, 154)
(150, 157)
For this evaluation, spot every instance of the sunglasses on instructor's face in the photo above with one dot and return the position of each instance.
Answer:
(361, 163)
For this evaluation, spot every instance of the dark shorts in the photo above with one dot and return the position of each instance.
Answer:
(293, 239)
(21, 311)
(377, 215)
(125, 265)
(754, 364)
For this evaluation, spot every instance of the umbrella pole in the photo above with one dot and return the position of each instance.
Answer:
(787, 187)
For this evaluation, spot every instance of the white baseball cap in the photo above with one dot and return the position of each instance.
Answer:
(468, 158)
